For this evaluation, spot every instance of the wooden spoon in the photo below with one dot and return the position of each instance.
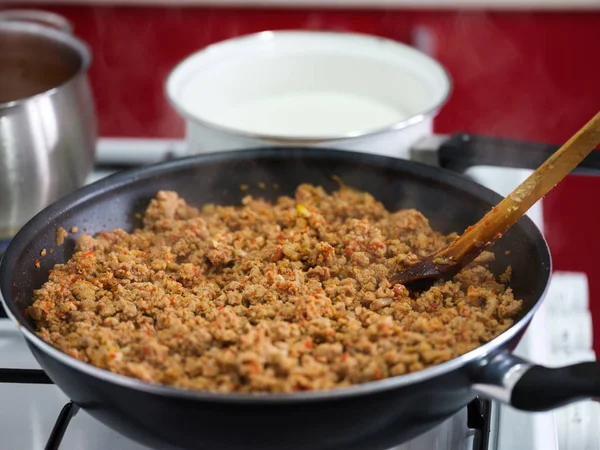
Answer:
(475, 239)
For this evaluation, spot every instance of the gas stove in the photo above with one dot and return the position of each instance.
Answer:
(36, 414)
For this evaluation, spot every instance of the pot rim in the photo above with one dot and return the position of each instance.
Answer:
(56, 35)
(270, 35)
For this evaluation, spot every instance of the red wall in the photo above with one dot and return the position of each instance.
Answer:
(524, 75)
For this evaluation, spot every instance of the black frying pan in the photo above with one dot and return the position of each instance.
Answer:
(376, 415)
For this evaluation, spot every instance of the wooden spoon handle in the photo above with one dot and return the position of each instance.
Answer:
(538, 184)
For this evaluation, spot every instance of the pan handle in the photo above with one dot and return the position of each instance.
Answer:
(462, 151)
(530, 387)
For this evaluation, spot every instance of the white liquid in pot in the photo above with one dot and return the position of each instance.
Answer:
(308, 114)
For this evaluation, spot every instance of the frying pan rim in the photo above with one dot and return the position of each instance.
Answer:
(121, 179)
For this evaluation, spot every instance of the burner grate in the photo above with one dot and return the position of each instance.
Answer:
(60, 427)
(24, 376)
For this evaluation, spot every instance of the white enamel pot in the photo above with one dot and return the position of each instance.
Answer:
(308, 88)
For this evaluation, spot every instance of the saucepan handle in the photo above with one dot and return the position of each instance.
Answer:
(532, 387)
(462, 151)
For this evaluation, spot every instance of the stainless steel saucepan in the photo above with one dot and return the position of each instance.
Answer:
(47, 115)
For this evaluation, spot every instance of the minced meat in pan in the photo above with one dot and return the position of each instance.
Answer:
(267, 297)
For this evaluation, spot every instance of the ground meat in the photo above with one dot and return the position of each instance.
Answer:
(266, 297)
